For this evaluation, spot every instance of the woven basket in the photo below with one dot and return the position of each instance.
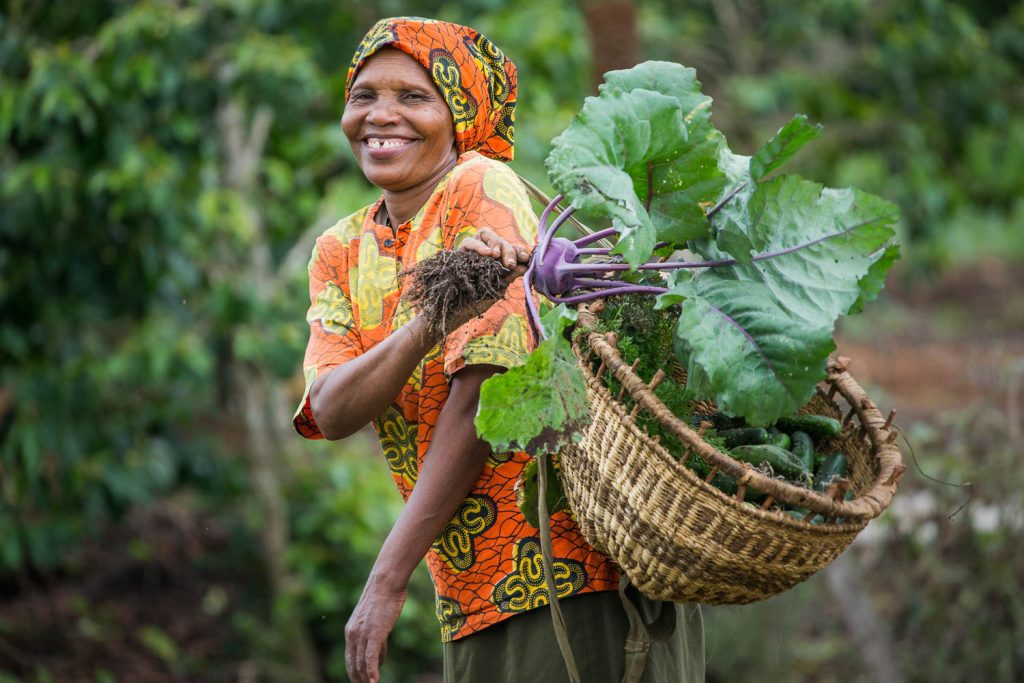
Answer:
(678, 538)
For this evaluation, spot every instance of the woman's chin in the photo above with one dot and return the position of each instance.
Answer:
(389, 182)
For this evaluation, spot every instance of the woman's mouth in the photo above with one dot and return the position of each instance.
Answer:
(374, 144)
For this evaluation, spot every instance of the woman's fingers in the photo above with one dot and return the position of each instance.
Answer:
(372, 662)
(364, 656)
(486, 242)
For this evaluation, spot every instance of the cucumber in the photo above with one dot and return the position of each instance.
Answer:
(780, 459)
(780, 439)
(743, 436)
(833, 466)
(803, 448)
(818, 426)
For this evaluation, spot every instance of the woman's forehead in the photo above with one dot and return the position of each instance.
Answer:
(392, 66)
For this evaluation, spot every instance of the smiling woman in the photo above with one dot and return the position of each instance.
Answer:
(429, 114)
(400, 129)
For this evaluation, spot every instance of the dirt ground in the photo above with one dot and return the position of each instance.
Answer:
(956, 342)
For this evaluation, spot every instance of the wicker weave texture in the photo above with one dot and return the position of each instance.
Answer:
(678, 538)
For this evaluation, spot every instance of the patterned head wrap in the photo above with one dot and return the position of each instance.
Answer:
(475, 78)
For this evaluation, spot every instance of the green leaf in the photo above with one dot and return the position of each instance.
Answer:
(539, 406)
(846, 230)
(685, 188)
(527, 492)
(871, 284)
(610, 146)
(783, 146)
(557, 319)
(757, 333)
(758, 359)
(159, 643)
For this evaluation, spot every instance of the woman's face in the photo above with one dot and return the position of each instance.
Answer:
(398, 124)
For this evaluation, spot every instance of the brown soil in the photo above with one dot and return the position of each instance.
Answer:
(450, 283)
(945, 345)
(140, 606)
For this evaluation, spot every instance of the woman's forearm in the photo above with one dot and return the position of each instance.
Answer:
(346, 399)
(450, 467)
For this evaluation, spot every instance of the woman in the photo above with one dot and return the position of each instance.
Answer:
(430, 117)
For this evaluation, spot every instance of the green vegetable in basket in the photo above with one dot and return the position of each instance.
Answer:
(779, 439)
(818, 426)
(780, 459)
(743, 436)
(831, 467)
(803, 448)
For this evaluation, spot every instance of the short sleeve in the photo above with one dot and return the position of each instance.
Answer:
(489, 194)
(333, 333)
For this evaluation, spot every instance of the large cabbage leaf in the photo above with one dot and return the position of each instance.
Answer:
(644, 154)
(540, 406)
(761, 328)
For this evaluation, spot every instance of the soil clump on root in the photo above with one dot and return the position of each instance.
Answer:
(450, 283)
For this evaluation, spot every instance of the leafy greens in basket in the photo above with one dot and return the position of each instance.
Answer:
(773, 261)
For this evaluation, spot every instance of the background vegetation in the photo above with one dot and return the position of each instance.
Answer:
(164, 168)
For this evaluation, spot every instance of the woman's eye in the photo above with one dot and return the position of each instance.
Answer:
(361, 97)
(415, 97)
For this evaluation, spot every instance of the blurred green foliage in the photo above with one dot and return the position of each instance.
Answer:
(146, 270)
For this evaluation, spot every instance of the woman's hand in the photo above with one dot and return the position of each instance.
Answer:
(513, 257)
(366, 633)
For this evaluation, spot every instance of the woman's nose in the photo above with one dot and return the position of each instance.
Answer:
(382, 112)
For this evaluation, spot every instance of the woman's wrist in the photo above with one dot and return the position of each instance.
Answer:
(422, 338)
(389, 579)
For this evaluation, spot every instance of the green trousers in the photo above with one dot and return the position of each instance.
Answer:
(523, 648)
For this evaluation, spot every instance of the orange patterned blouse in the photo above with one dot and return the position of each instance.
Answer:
(486, 564)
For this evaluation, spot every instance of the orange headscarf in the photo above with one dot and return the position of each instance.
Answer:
(475, 78)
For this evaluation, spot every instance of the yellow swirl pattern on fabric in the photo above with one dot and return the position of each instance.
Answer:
(348, 229)
(508, 348)
(444, 71)
(499, 459)
(475, 515)
(333, 310)
(398, 441)
(492, 62)
(450, 614)
(524, 588)
(404, 312)
(375, 278)
(431, 245)
(416, 378)
(502, 185)
(380, 34)
(464, 232)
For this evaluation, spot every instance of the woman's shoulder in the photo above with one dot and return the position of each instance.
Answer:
(348, 228)
(474, 171)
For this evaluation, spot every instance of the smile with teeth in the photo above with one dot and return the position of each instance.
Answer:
(385, 143)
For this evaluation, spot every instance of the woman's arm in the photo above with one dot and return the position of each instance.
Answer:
(344, 400)
(451, 465)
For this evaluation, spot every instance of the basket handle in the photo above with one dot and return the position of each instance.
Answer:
(547, 558)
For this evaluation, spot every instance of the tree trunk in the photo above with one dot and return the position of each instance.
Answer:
(612, 31)
(259, 399)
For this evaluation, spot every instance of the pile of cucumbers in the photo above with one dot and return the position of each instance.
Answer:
(794, 448)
